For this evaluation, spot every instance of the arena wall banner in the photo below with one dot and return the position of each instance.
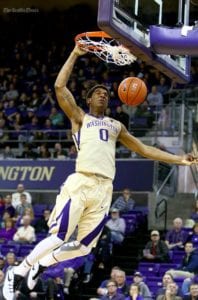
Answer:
(50, 174)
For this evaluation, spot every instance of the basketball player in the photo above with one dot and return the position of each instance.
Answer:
(85, 196)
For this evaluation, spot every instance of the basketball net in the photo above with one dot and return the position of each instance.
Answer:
(105, 47)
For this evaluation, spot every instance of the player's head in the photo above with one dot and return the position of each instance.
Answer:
(98, 97)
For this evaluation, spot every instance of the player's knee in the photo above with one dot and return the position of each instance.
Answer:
(76, 246)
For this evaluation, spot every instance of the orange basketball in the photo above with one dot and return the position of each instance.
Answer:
(132, 91)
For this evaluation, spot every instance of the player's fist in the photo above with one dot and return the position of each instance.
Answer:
(79, 51)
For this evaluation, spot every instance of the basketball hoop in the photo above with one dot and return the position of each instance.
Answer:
(105, 47)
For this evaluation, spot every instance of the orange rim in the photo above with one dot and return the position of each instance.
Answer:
(98, 34)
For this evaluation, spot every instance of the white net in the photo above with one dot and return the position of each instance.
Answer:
(108, 50)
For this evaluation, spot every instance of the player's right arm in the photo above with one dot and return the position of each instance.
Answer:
(65, 98)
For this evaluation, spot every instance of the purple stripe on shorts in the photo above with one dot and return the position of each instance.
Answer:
(91, 236)
(64, 221)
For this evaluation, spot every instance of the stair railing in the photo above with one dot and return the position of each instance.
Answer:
(159, 212)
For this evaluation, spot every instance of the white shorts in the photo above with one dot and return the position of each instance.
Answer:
(84, 201)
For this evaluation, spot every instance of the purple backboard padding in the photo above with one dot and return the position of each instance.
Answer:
(105, 23)
(167, 40)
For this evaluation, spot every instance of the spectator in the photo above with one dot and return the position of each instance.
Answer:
(1, 284)
(193, 292)
(2, 262)
(155, 98)
(194, 236)
(10, 261)
(120, 278)
(7, 233)
(117, 227)
(189, 265)
(44, 151)
(16, 196)
(156, 250)
(8, 153)
(38, 293)
(55, 289)
(72, 152)
(125, 202)
(25, 233)
(112, 291)
(194, 214)
(56, 118)
(176, 237)
(134, 292)
(187, 283)
(20, 209)
(59, 152)
(8, 205)
(170, 293)
(102, 290)
(28, 152)
(41, 224)
(166, 279)
(144, 289)
(121, 116)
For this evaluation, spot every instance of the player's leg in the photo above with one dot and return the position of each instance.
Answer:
(89, 228)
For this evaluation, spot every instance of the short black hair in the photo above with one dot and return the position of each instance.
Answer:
(97, 86)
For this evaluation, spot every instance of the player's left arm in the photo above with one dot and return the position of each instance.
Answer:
(150, 152)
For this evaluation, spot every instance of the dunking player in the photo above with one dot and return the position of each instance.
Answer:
(85, 197)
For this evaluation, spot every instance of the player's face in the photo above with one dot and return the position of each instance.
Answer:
(99, 98)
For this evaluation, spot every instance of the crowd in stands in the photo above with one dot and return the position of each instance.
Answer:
(22, 225)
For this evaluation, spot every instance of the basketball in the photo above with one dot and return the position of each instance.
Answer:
(132, 91)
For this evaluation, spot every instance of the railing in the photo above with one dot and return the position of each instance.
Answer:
(159, 212)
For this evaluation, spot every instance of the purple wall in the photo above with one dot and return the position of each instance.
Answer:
(50, 174)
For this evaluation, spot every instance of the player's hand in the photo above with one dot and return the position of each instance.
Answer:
(79, 51)
(189, 159)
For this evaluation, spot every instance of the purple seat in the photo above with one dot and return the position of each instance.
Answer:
(10, 248)
(177, 256)
(164, 267)
(38, 209)
(148, 269)
(154, 283)
(25, 249)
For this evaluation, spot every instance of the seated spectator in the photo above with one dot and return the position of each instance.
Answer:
(8, 205)
(2, 275)
(38, 292)
(102, 290)
(166, 279)
(55, 289)
(116, 226)
(2, 262)
(72, 153)
(194, 214)
(156, 250)
(59, 152)
(187, 283)
(41, 224)
(28, 152)
(155, 98)
(120, 278)
(44, 151)
(25, 233)
(193, 295)
(113, 233)
(6, 216)
(7, 233)
(176, 237)
(144, 289)
(194, 236)
(112, 291)
(134, 292)
(8, 153)
(121, 116)
(189, 265)
(16, 196)
(125, 202)
(170, 293)
(20, 208)
(10, 261)
(56, 118)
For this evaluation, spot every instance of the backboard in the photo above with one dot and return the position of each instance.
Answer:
(128, 21)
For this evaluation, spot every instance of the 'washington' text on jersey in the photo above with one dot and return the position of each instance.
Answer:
(103, 123)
